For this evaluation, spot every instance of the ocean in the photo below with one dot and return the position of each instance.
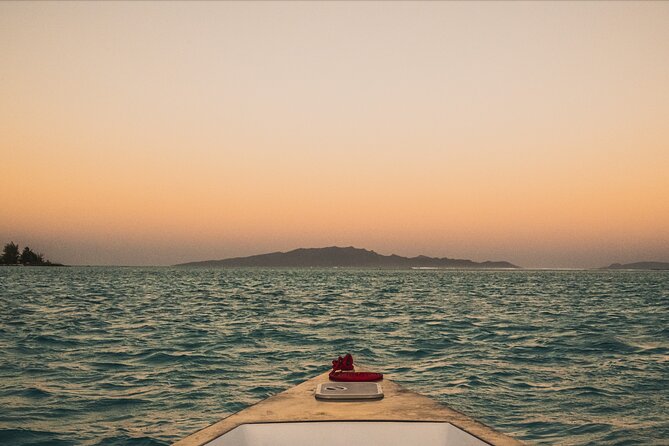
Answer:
(145, 356)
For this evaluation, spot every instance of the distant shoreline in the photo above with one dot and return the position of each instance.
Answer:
(642, 266)
(344, 268)
(338, 257)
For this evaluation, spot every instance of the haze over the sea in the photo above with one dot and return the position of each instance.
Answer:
(160, 133)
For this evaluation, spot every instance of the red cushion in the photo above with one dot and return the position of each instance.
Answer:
(355, 376)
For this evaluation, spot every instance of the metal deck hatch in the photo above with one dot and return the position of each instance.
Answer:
(349, 391)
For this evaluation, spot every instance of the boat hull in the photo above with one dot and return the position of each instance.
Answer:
(298, 405)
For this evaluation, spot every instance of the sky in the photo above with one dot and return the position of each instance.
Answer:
(152, 133)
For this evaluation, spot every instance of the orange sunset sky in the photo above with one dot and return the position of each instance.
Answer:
(158, 133)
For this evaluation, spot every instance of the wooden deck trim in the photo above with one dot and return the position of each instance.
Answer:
(298, 404)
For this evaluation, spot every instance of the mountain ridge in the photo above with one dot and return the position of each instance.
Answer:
(334, 256)
(640, 265)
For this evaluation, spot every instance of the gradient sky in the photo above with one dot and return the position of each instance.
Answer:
(156, 133)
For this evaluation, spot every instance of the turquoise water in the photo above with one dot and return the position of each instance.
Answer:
(145, 356)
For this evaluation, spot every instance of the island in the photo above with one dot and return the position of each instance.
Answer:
(349, 257)
(10, 257)
(661, 266)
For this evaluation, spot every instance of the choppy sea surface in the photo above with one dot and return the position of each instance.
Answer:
(145, 356)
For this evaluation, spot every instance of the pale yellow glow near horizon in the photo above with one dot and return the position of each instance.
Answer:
(155, 133)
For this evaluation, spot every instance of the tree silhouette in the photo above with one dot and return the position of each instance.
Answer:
(28, 257)
(10, 255)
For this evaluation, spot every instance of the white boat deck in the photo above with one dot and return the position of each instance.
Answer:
(331, 433)
(401, 417)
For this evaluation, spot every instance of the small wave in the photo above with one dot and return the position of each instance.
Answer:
(124, 440)
(589, 428)
(55, 341)
(28, 392)
(35, 392)
(166, 358)
(106, 403)
(586, 391)
(27, 437)
(611, 345)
